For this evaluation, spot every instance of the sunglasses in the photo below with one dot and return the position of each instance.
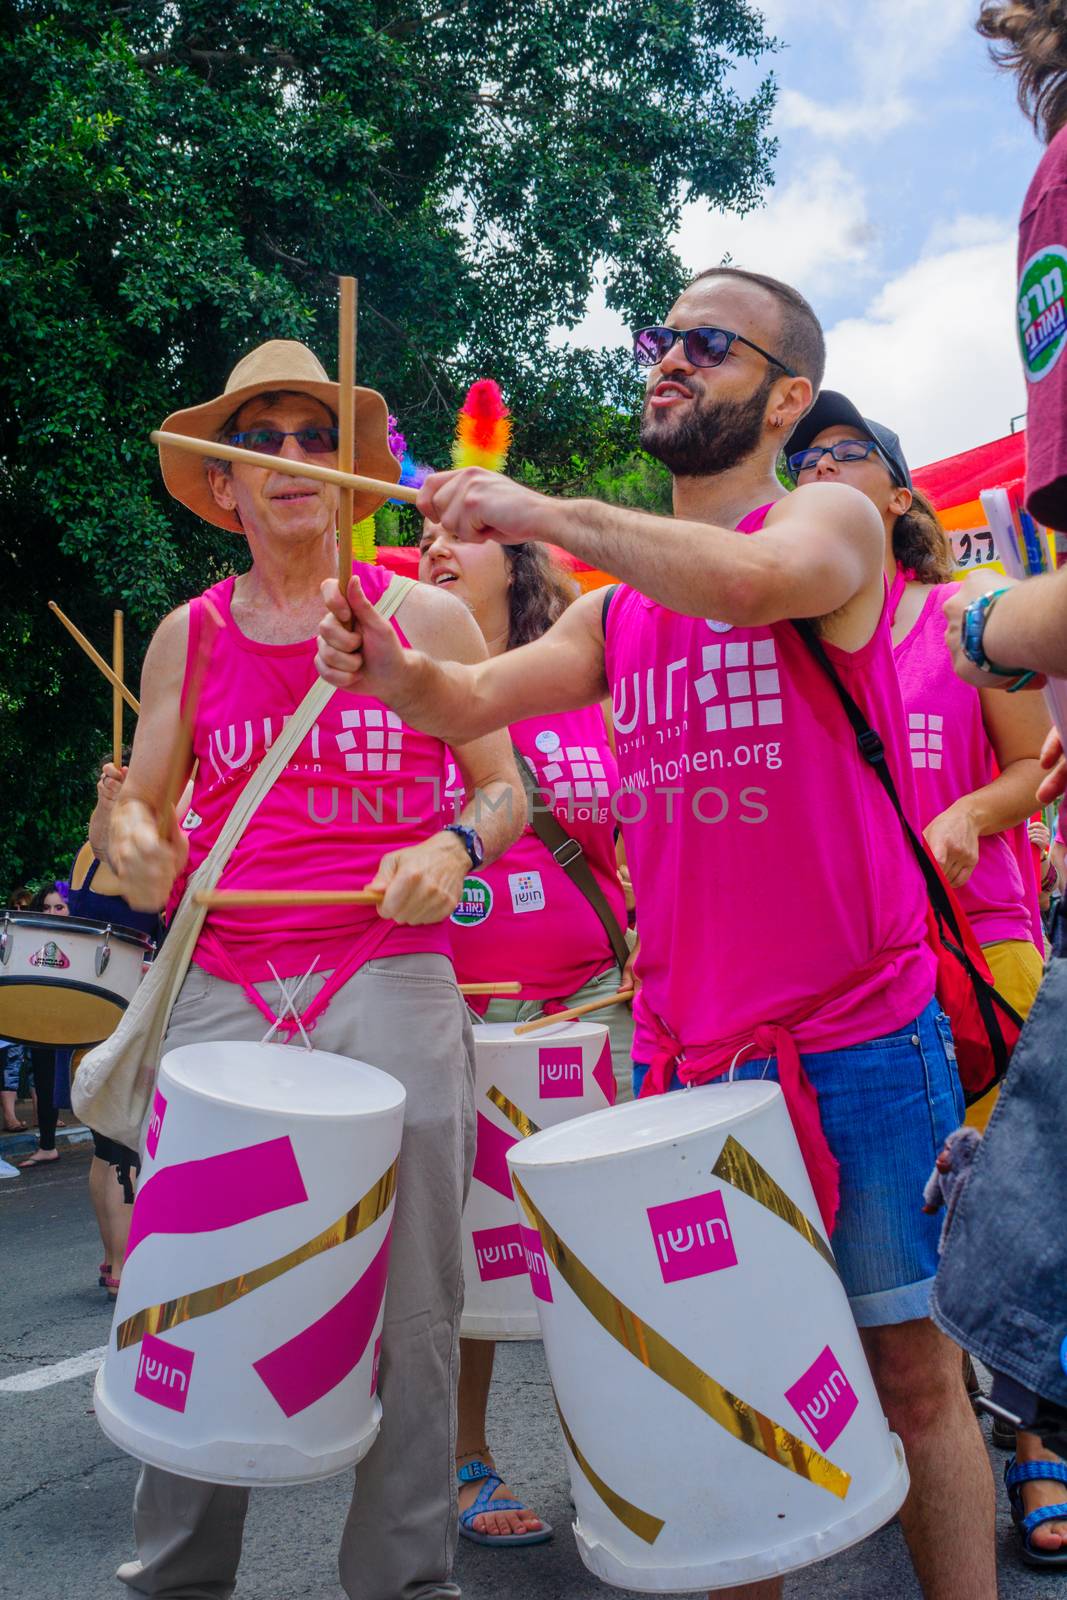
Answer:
(269, 441)
(844, 450)
(704, 347)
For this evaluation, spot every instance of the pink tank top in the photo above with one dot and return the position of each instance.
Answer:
(772, 877)
(361, 784)
(952, 756)
(522, 918)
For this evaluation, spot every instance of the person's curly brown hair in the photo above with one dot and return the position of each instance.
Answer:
(921, 543)
(540, 592)
(1029, 38)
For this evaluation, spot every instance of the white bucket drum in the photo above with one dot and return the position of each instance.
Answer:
(720, 1419)
(523, 1082)
(66, 980)
(248, 1324)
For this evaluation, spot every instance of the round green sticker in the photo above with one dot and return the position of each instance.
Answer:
(475, 903)
(1042, 313)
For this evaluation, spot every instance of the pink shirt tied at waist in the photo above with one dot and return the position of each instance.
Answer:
(522, 917)
(739, 759)
(361, 784)
(952, 756)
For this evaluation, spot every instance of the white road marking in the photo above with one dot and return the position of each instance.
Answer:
(58, 1372)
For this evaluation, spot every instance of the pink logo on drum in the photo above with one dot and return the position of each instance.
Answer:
(562, 1077)
(155, 1127)
(163, 1373)
(499, 1252)
(50, 955)
(536, 1264)
(692, 1237)
(823, 1399)
(376, 1360)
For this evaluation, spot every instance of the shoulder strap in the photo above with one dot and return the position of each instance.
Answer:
(393, 596)
(567, 853)
(872, 750)
(609, 595)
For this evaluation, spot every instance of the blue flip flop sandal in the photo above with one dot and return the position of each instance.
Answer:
(480, 1471)
(1016, 1473)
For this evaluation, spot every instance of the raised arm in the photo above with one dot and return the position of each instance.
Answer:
(455, 701)
(1027, 627)
(819, 548)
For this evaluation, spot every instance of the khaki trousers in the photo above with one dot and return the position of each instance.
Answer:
(405, 1015)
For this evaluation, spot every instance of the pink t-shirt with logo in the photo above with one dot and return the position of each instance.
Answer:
(768, 864)
(361, 784)
(523, 918)
(952, 756)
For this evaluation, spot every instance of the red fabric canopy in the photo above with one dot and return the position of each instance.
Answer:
(961, 478)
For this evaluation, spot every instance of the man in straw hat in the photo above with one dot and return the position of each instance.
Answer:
(734, 750)
(358, 805)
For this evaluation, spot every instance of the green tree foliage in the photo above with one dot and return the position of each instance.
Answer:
(181, 180)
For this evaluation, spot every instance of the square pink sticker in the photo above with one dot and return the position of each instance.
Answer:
(499, 1252)
(155, 1126)
(823, 1399)
(692, 1237)
(536, 1263)
(562, 1076)
(163, 1373)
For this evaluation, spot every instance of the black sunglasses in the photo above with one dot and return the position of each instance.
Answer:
(704, 347)
(268, 441)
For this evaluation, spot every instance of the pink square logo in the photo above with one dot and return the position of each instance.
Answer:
(562, 1077)
(823, 1399)
(499, 1252)
(536, 1264)
(155, 1126)
(692, 1237)
(163, 1373)
(375, 1364)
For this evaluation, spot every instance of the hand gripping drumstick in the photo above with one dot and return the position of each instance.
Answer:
(97, 659)
(346, 425)
(576, 1011)
(294, 468)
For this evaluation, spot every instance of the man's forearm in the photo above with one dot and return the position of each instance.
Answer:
(100, 830)
(713, 572)
(497, 813)
(1028, 626)
(1008, 800)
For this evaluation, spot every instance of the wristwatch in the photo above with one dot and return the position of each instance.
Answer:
(472, 841)
(972, 632)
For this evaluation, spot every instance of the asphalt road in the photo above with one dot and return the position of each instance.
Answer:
(65, 1492)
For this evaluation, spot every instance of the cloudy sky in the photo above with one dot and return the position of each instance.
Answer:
(902, 163)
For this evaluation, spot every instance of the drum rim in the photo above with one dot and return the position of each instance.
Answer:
(68, 925)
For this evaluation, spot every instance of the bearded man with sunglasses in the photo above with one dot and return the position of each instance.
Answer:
(358, 804)
(734, 750)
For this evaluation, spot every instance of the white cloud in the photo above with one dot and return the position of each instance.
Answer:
(936, 357)
(859, 119)
(812, 232)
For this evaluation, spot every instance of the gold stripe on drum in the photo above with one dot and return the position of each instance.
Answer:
(202, 1302)
(737, 1167)
(642, 1523)
(655, 1352)
(517, 1118)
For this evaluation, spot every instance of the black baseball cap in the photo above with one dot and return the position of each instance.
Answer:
(833, 410)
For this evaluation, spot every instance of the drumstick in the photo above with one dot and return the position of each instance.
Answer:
(490, 988)
(346, 422)
(575, 1011)
(227, 899)
(97, 659)
(116, 693)
(293, 468)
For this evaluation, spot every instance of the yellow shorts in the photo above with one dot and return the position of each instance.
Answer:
(1017, 970)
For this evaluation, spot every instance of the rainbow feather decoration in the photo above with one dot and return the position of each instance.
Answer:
(483, 428)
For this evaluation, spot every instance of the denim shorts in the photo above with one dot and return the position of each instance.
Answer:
(887, 1107)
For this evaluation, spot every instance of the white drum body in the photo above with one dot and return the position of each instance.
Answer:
(66, 980)
(721, 1422)
(246, 1336)
(523, 1082)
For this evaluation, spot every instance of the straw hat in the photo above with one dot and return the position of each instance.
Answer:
(280, 364)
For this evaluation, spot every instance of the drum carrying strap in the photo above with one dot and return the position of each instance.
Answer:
(113, 1088)
(566, 852)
